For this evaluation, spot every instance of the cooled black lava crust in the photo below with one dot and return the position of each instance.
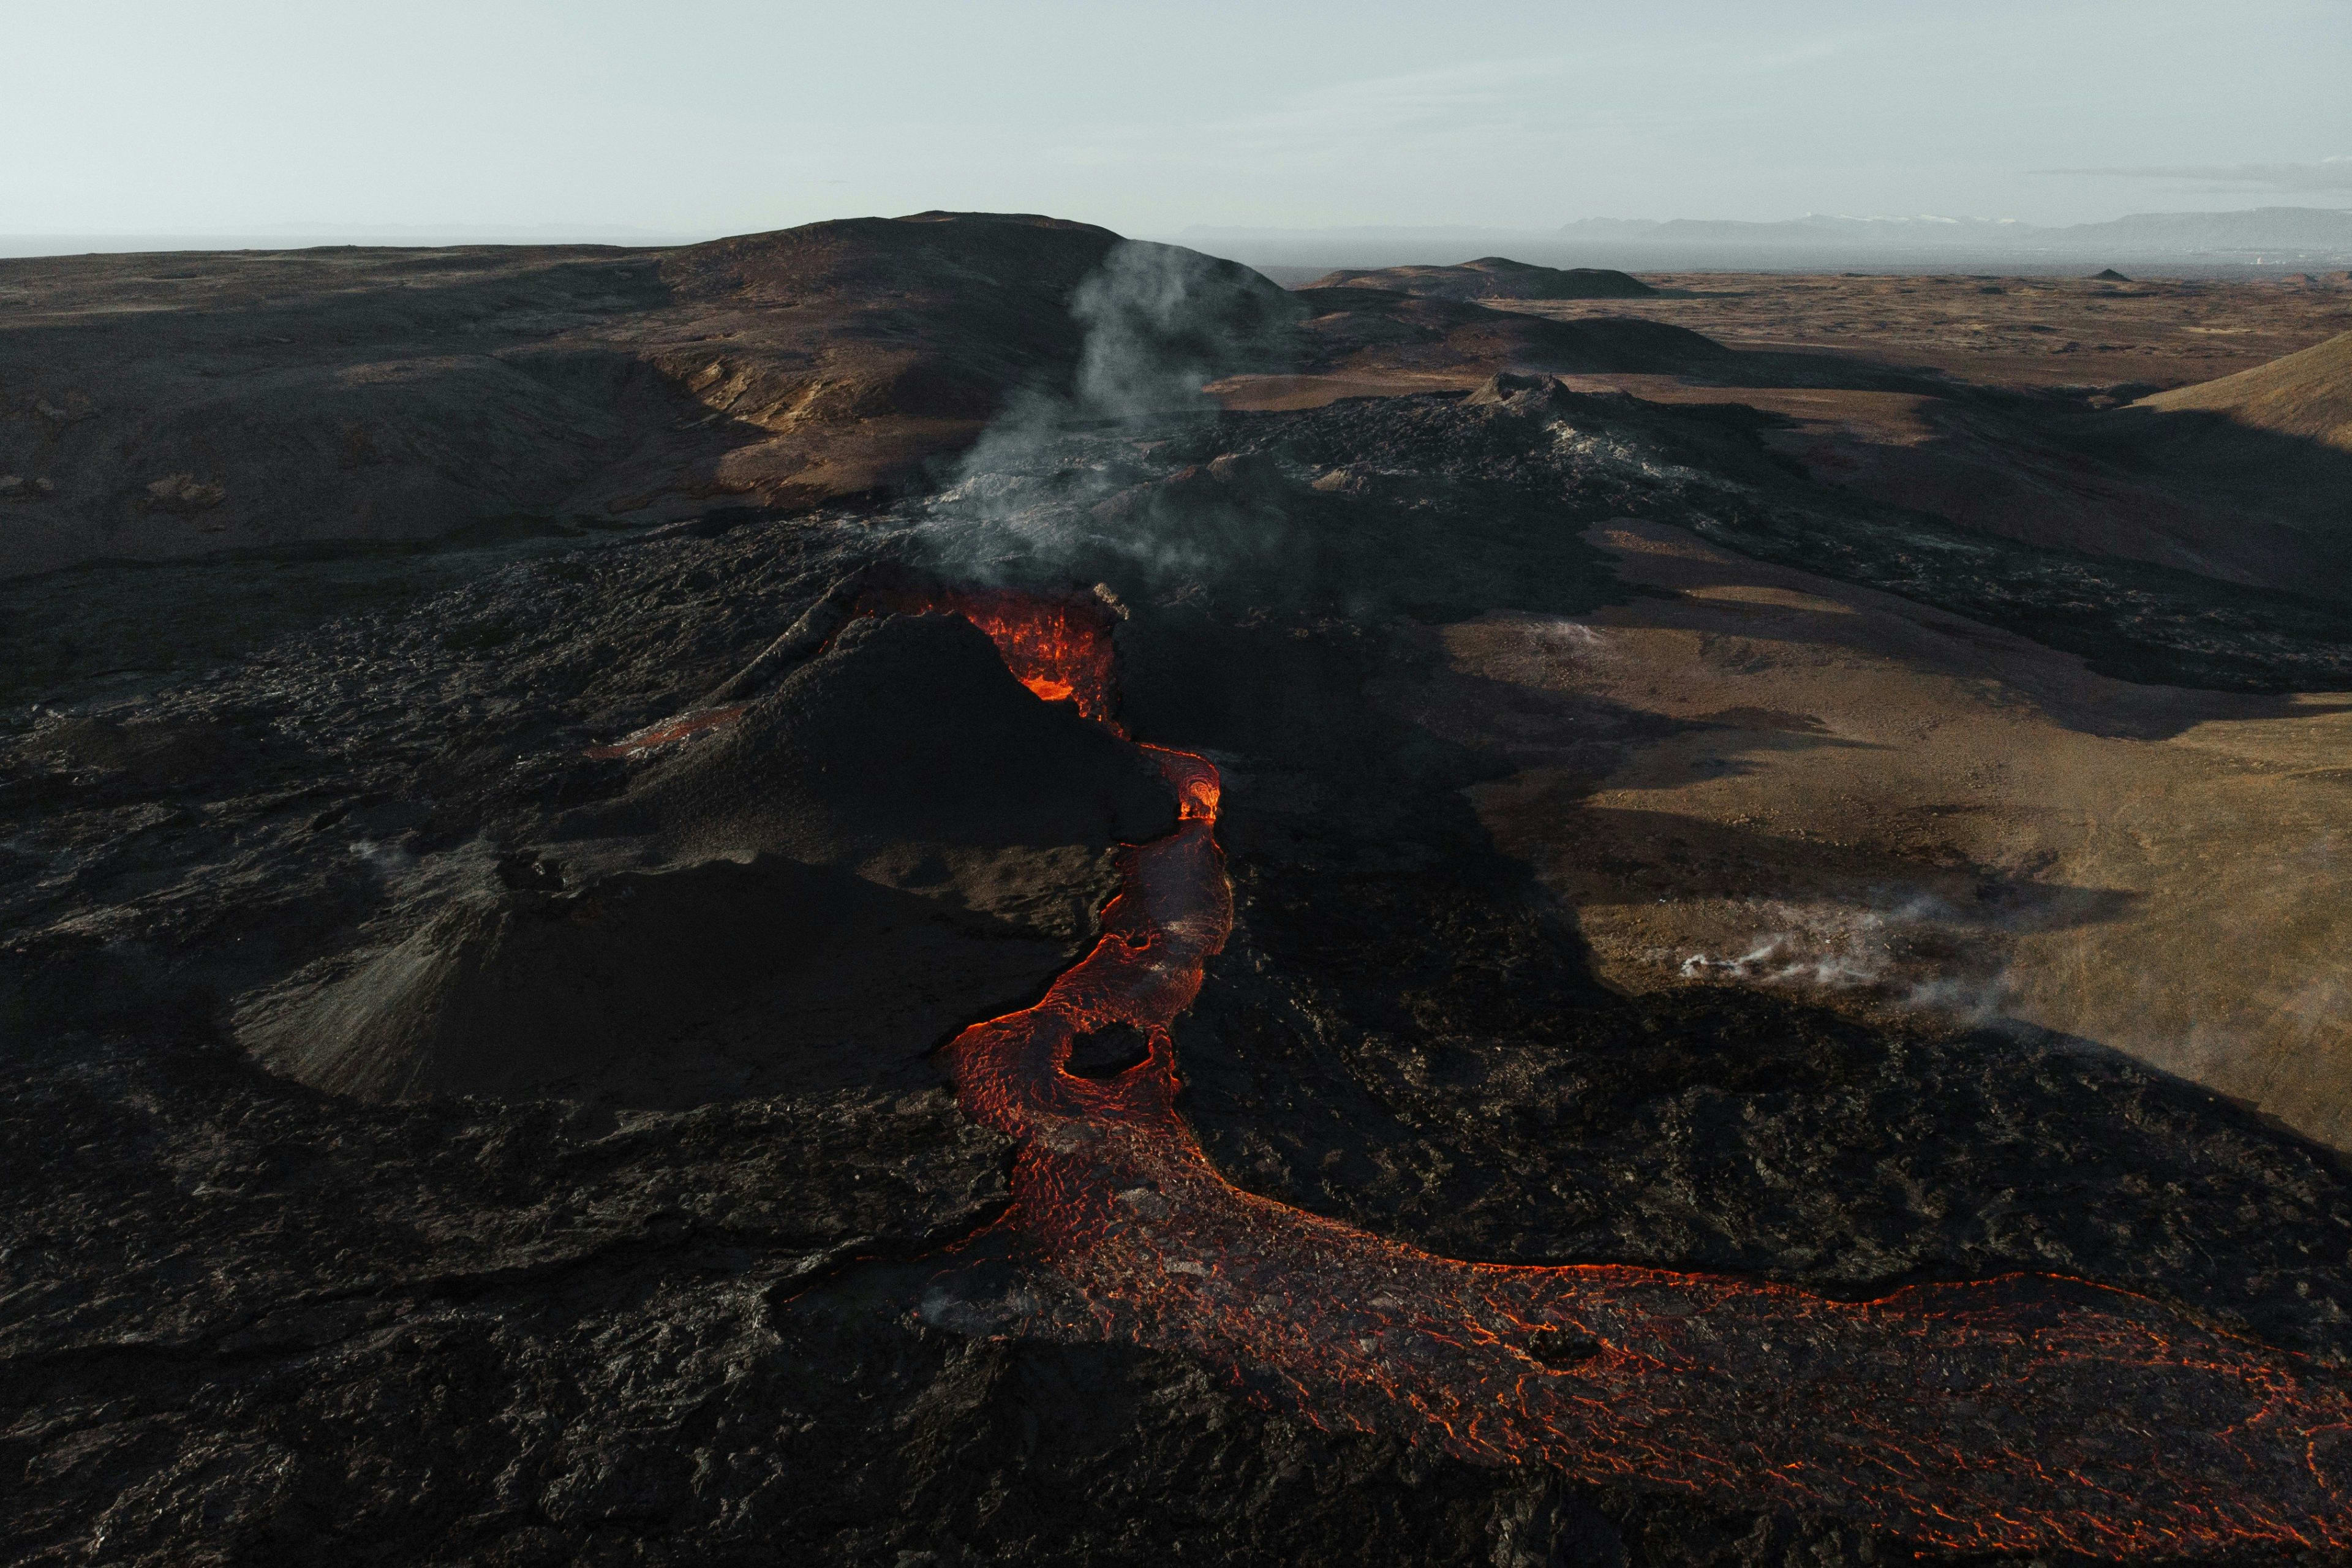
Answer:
(245, 1321)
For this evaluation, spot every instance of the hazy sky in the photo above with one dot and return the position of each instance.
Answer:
(704, 117)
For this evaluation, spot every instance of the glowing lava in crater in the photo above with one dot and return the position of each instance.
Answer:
(2023, 1413)
(1059, 648)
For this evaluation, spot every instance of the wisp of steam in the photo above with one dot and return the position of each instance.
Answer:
(1160, 323)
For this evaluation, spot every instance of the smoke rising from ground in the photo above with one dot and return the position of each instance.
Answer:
(1912, 949)
(1882, 946)
(1163, 321)
(1160, 323)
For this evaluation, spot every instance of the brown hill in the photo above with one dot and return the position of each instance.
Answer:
(1495, 278)
(163, 406)
(1361, 328)
(2307, 395)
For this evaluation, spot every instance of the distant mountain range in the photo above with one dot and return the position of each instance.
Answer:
(2292, 239)
(2259, 237)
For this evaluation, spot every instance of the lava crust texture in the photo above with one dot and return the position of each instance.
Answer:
(1370, 1229)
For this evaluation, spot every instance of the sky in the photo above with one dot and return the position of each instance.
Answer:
(697, 117)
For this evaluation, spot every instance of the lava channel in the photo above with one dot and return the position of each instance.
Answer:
(2024, 1413)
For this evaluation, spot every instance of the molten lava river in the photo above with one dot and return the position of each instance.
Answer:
(2015, 1413)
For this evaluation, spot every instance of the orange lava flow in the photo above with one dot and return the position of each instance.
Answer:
(2021, 1414)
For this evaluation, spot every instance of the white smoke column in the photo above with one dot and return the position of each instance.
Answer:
(1161, 322)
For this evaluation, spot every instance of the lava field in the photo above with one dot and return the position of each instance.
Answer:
(982, 1023)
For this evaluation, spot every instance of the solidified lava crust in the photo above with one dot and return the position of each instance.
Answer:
(655, 736)
(2023, 1413)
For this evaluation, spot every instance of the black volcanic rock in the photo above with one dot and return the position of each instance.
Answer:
(651, 1268)
(717, 980)
(907, 729)
(897, 839)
